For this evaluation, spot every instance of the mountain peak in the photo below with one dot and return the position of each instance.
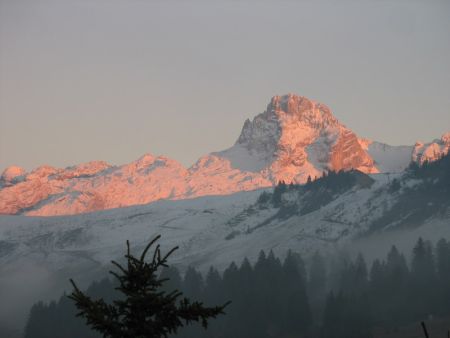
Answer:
(302, 109)
(11, 173)
(431, 151)
(282, 112)
(446, 138)
(144, 161)
(296, 137)
(290, 103)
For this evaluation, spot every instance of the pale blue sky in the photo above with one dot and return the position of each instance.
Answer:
(113, 79)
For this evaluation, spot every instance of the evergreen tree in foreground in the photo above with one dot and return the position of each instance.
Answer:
(145, 310)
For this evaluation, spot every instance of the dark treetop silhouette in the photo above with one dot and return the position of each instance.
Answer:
(145, 311)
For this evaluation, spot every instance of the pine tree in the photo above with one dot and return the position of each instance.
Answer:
(423, 279)
(214, 294)
(193, 283)
(317, 276)
(396, 268)
(263, 199)
(192, 287)
(297, 314)
(317, 284)
(36, 325)
(443, 274)
(422, 265)
(213, 286)
(332, 317)
(231, 289)
(353, 279)
(443, 260)
(246, 306)
(278, 192)
(378, 288)
(145, 310)
(360, 275)
(396, 278)
(377, 277)
(346, 316)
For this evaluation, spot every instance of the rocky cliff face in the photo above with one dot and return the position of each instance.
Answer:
(431, 151)
(295, 138)
(292, 139)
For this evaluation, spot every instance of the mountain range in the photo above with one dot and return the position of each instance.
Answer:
(372, 203)
(293, 139)
(346, 211)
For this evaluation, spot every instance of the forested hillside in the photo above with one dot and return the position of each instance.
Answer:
(326, 297)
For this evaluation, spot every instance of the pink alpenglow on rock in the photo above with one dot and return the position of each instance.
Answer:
(11, 173)
(294, 138)
(431, 151)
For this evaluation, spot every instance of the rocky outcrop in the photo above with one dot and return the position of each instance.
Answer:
(429, 152)
(347, 153)
(11, 174)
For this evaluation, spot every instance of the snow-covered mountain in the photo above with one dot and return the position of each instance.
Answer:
(39, 254)
(292, 139)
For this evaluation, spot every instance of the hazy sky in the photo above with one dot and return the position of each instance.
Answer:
(113, 79)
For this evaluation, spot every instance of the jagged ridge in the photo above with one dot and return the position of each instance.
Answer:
(294, 138)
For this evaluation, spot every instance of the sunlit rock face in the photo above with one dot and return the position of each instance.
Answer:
(11, 175)
(429, 152)
(94, 186)
(294, 138)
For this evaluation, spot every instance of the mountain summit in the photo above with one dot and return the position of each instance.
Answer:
(294, 138)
